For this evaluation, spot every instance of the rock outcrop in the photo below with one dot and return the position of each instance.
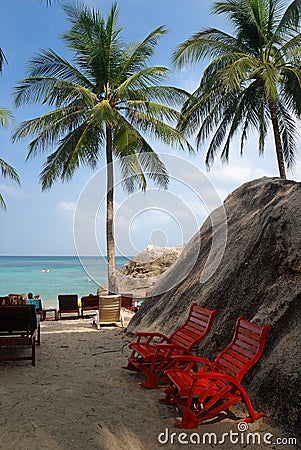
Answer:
(256, 274)
(140, 274)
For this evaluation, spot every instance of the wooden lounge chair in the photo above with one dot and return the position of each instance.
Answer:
(18, 327)
(109, 311)
(68, 304)
(89, 303)
(41, 311)
(127, 301)
(152, 352)
(203, 394)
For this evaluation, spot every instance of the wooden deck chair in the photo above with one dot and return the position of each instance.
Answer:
(109, 311)
(152, 352)
(89, 303)
(19, 327)
(203, 394)
(68, 304)
(127, 301)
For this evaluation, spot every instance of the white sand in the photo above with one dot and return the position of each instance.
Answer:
(78, 397)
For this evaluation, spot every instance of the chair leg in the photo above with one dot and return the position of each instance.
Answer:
(39, 335)
(189, 421)
(33, 351)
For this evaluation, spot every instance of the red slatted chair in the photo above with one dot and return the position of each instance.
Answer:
(203, 394)
(152, 352)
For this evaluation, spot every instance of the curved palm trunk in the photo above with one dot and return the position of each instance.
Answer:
(277, 138)
(112, 281)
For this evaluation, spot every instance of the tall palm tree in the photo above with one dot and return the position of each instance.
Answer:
(253, 80)
(7, 171)
(107, 99)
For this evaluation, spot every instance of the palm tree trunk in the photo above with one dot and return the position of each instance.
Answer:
(112, 282)
(277, 139)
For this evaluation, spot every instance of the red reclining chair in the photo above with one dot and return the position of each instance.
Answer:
(202, 394)
(152, 352)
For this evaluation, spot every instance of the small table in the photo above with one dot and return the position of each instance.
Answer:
(52, 310)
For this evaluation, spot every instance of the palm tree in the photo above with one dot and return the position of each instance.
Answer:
(106, 100)
(253, 80)
(7, 171)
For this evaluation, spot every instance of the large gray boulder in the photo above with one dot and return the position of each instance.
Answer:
(256, 274)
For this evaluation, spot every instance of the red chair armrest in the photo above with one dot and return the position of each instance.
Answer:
(167, 346)
(150, 336)
(191, 358)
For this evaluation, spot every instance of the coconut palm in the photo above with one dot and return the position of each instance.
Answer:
(106, 100)
(253, 80)
(7, 171)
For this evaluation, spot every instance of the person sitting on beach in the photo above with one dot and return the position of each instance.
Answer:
(30, 295)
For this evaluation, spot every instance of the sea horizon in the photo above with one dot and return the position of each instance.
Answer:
(51, 275)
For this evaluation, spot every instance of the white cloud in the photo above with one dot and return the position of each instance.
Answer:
(63, 206)
(10, 191)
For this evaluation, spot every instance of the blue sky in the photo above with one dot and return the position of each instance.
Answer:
(39, 223)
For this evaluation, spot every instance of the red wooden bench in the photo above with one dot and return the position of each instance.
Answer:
(152, 352)
(203, 394)
(19, 327)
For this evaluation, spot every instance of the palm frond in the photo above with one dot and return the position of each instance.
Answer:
(2, 59)
(7, 171)
(5, 117)
(2, 203)
(81, 146)
(210, 43)
(136, 55)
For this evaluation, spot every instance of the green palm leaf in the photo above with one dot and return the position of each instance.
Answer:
(107, 100)
(252, 82)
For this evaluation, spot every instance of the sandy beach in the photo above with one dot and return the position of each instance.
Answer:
(79, 397)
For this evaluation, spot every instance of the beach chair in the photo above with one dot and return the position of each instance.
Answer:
(89, 303)
(152, 352)
(203, 394)
(4, 300)
(68, 304)
(109, 311)
(127, 302)
(19, 327)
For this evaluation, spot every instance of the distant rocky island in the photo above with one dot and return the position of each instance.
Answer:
(139, 275)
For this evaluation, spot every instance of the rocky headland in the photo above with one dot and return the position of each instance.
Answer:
(245, 260)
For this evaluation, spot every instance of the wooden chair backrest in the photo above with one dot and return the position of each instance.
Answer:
(126, 300)
(244, 350)
(4, 300)
(18, 318)
(109, 308)
(196, 327)
(89, 301)
(68, 302)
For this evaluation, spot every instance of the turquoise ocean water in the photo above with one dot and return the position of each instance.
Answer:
(53, 275)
